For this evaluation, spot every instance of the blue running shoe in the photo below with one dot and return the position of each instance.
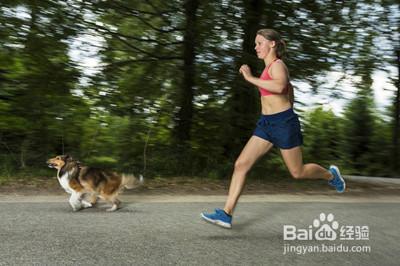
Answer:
(337, 181)
(219, 217)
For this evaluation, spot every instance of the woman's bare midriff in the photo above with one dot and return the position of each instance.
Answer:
(273, 104)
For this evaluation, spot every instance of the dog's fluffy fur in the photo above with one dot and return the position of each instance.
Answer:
(79, 180)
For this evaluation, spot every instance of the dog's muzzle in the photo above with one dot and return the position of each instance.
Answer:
(51, 165)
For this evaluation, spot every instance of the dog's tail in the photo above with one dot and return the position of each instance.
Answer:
(130, 181)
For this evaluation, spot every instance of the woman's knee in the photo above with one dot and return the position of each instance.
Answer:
(242, 165)
(297, 173)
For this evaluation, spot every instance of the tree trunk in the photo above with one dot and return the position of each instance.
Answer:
(396, 128)
(23, 152)
(185, 97)
(244, 103)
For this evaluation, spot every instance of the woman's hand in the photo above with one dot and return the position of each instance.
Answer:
(246, 72)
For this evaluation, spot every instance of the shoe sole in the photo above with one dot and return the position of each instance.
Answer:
(340, 177)
(217, 222)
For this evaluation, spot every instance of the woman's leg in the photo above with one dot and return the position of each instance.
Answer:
(294, 161)
(254, 149)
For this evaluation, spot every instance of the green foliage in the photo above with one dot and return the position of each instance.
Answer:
(102, 162)
(323, 135)
(144, 112)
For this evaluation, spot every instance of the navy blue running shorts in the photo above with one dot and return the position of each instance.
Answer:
(281, 129)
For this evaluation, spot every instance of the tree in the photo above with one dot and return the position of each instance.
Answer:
(323, 137)
(41, 77)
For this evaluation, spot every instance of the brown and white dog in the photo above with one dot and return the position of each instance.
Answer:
(79, 180)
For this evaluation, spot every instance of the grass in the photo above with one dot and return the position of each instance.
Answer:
(24, 175)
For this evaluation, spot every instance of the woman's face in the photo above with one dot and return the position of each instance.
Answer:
(263, 46)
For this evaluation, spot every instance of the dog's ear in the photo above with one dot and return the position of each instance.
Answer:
(68, 158)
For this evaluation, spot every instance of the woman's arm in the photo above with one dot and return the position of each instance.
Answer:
(277, 84)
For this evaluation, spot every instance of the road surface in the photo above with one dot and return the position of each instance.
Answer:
(167, 230)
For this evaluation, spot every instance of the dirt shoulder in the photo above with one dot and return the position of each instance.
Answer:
(198, 186)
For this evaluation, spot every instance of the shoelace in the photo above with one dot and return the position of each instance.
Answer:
(336, 180)
(218, 211)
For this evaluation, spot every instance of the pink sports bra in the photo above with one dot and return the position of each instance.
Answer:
(266, 76)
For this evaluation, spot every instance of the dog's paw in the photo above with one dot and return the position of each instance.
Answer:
(86, 204)
(76, 209)
(113, 208)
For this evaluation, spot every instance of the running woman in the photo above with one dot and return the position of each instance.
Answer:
(278, 125)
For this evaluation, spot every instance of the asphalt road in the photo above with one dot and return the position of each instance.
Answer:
(172, 233)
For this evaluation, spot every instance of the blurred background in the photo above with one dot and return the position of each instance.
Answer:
(152, 86)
